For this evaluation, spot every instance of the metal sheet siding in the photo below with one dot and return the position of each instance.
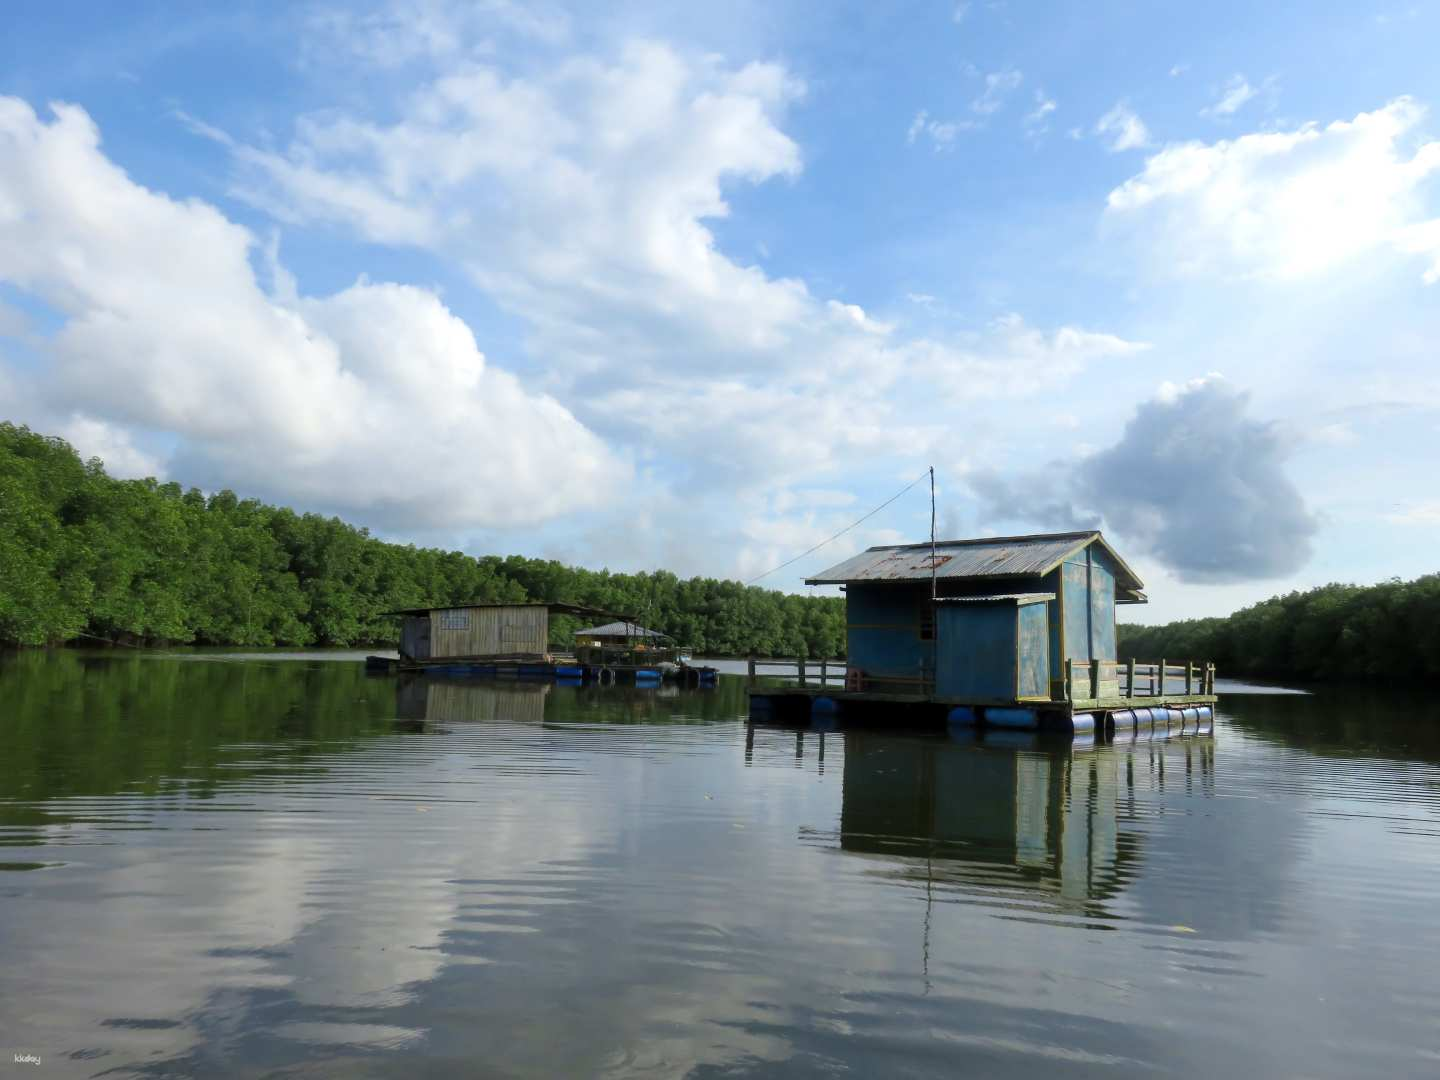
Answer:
(1034, 679)
(488, 631)
(1075, 582)
(1102, 608)
(977, 651)
(883, 632)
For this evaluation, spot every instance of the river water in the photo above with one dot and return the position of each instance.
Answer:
(277, 865)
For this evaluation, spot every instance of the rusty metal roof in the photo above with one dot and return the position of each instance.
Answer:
(987, 557)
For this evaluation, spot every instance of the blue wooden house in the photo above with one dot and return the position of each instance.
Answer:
(996, 624)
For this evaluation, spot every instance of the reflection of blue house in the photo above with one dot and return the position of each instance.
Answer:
(1006, 614)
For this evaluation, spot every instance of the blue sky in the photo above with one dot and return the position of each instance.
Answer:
(696, 288)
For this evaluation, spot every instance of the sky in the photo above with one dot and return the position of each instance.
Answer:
(649, 286)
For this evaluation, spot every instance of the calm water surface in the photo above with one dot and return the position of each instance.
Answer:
(282, 867)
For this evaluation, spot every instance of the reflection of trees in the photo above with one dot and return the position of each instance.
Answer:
(94, 724)
(1348, 721)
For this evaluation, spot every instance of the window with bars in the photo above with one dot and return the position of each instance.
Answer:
(454, 620)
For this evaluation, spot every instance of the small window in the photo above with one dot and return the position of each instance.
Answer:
(454, 620)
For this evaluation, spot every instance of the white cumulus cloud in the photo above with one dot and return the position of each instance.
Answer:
(1288, 204)
(374, 401)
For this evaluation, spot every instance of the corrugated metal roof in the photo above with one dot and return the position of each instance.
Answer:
(998, 556)
(619, 629)
(553, 608)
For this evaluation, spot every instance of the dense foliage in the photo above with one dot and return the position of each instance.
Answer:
(1388, 631)
(85, 556)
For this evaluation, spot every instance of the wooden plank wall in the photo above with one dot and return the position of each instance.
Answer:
(488, 631)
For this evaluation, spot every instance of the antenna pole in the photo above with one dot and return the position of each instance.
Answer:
(932, 532)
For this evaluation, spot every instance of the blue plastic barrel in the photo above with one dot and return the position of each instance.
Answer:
(1123, 718)
(1006, 716)
(1082, 722)
(824, 705)
(962, 716)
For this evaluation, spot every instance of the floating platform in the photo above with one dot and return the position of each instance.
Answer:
(561, 671)
(1103, 716)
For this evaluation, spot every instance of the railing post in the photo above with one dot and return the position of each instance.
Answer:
(1130, 678)
(824, 675)
(752, 667)
(800, 667)
(1189, 677)
(1069, 680)
(1094, 680)
(1160, 679)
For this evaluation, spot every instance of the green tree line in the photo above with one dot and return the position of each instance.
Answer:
(1389, 631)
(84, 556)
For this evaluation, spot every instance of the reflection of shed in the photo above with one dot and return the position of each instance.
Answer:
(1052, 817)
(1005, 615)
(434, 699)
(480, 631)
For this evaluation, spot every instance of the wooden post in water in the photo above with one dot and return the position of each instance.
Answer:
(1069, 680)
(1160, 678)
(1130, 678)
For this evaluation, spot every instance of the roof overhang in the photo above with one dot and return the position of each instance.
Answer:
(554, 609)
(999, 598)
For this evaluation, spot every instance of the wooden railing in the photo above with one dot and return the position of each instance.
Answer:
(1092, 679)
(1084, 680)
(821, 671)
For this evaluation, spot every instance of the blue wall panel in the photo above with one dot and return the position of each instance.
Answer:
(884, 631)
(1102, 606)
(1052, 584)
(1075, 580)
(977, 651)
(1034, 650)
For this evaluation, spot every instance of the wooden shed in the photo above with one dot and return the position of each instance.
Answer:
(480, 631)
(992, 619)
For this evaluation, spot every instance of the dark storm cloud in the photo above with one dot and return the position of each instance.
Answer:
(1193, 482)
